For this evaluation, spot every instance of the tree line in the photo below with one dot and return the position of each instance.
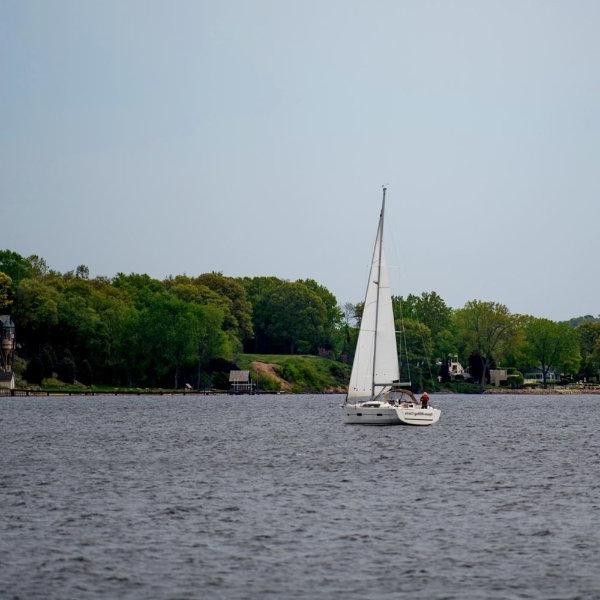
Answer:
(136, 330)
(486, 335)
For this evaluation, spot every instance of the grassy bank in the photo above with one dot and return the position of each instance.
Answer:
(296, 374)
(272, 372)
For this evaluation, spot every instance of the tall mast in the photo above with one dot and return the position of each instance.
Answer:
(377, 283)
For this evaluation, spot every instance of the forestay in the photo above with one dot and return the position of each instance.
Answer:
(376, 358)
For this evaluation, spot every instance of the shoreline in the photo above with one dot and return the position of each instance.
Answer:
(544, 392)
(20, 393)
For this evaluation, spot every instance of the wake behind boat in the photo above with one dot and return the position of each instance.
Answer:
(375, 394)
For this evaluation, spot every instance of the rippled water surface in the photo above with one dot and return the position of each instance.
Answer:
(251, 497)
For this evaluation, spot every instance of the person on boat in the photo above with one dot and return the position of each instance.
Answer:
(424, 399)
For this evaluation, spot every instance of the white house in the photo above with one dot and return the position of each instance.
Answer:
(536, 376)
(7, 380)
(454, 367)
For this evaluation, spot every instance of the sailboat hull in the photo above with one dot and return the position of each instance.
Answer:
(418, 416)
(355, 414)
(386, 414)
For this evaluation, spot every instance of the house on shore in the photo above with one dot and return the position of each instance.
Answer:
(7, 380)
(537, 376)
(240, 382)
(454, 367)
(7, 352)
(7, 343)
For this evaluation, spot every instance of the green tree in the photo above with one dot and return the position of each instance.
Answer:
(298, 319)
(15, 266)
(66, 369)
(349, 338)
(512, 352)
(139, 287)
(351, 314)
(484, 328)
(5, 292)
(168, 334)
(85, 373)
(595, 358)
(212, 341)
(333, 315)
(34, 373)
(358, 312)
(169, 337)
(589, 345)
(35, 311)
(430, 309)
(192, 291)
(234, 291)
(577, 321)
(91, 315)
(130, 328)
(415, 346)
(260, 291)
(82, 272)
(188, 290)
(551, 345)
(444, 347)
(38, 266)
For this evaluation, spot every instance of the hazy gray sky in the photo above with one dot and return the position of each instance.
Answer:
(253, 137)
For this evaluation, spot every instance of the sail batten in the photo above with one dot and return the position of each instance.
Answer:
(376, 358)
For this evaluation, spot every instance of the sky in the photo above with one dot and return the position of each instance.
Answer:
(253, 138)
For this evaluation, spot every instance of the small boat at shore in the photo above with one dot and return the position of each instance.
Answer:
(375, 394)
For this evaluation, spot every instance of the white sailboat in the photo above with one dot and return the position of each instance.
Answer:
(375, 394)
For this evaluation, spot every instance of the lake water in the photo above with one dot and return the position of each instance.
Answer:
(272, 496)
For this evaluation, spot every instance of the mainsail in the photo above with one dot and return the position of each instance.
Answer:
(376, 358)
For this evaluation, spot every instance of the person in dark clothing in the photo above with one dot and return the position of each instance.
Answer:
(424, 399)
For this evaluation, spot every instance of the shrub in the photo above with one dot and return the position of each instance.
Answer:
(515, 380)
(220, 380)
(35, 370)
(85, 373)
(339, 371)
(266, 383)
(301, 373)
(66, 369)
(54, 383)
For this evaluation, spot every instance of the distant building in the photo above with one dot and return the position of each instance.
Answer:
(454, 367)
(7, 380)
(240, 382)
(498, 375)
(7, 343)
(456, 370)
(537, 376)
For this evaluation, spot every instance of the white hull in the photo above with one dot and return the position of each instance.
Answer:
(419, 416)
(387, 414)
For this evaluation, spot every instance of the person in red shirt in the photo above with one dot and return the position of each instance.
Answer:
(424, 399)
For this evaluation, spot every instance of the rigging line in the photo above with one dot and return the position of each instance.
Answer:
(380, 236)
(365, 303)
(404, 338)
(425, 351)
(398, 269)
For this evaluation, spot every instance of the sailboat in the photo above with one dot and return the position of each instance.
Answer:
(376, 396)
